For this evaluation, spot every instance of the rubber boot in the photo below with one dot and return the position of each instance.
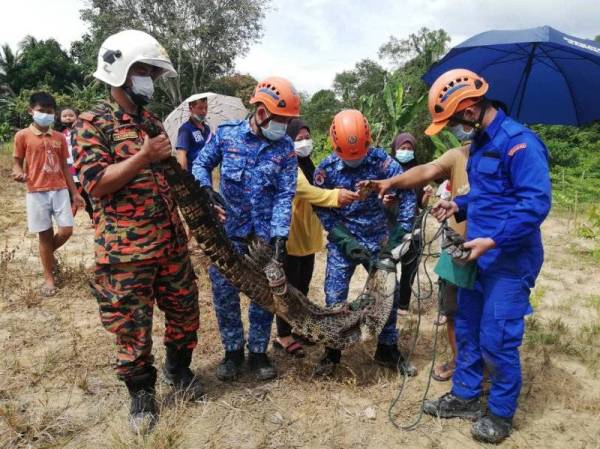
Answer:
(491, 428)
(391, 357)
(261, 366)
(450, 406)
(142, 413)
(231, 366)
(328, 363)
(178, 374)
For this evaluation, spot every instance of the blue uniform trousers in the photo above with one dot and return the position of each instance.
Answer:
(226, 299)
(489, 330)
(337, 282)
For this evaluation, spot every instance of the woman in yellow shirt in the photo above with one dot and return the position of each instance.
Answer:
(306, 233)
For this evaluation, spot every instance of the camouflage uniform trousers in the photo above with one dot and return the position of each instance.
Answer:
(337, 282)
(126, 293)
(226, 299)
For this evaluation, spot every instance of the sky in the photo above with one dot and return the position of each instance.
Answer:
(309, 41)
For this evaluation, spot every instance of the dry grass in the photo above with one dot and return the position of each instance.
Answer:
(57, 388)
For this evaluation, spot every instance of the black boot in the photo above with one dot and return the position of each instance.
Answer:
(178, 374)
(142, 413)
(390, 357)
(450, 406)
(491, 428)
(261, 366)
(231, 366)
(328, 363)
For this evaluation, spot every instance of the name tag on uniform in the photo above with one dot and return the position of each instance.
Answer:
(124, 134)
(198, 136)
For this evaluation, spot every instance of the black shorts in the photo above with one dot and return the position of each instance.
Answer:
(447, 297)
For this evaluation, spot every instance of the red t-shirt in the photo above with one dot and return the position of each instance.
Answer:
(44, 154)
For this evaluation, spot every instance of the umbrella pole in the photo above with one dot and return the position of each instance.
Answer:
(526, 77)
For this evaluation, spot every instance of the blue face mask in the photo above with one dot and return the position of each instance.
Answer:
(42, 119)
(460, 133)
(354, 163)
(404, 156)
(274, 130)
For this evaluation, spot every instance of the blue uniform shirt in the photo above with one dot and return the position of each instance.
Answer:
(364, 219)
(192, 139)
(510, 192)
(258, 179)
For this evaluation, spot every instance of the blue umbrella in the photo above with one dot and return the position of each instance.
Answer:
(540, 74)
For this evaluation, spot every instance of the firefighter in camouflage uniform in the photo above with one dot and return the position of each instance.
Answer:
(140, 244)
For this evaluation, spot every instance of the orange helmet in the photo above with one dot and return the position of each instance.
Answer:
(278, 95)
(350, 135)
(453, 92)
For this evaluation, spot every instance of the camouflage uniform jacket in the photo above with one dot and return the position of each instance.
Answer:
(258, 179)
(140, 221)
(365, 219)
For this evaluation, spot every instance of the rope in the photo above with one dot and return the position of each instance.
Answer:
(422, 257)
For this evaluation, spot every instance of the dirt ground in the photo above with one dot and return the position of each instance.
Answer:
(57, 387)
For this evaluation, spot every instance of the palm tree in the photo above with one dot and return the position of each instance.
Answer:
(8, 64)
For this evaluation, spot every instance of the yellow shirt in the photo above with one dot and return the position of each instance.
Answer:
(306, 232)
(454, 165)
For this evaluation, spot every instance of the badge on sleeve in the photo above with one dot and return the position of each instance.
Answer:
(319, 177)
(518, 147)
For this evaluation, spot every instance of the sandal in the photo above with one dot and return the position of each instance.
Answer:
(443, 372)
(48, 292)
(294, 349)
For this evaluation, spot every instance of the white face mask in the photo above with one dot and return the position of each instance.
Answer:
(143, 86)
(354, 163)
(303, 148)
(460, 133)
(274, 130)
(404, 156)
(43, 119)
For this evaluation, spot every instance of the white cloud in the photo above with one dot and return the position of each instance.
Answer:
(309, 41)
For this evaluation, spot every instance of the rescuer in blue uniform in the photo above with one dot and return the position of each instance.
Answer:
(357, 232)
(509, 198)
(258, 182)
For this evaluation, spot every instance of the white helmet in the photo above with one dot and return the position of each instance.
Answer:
(123, 49)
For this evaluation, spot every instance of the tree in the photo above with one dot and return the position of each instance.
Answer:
(319, 110)
(236, 85)
(426, 46)
(366, 77)
(37, 63)
(203, 38)
(8, 67)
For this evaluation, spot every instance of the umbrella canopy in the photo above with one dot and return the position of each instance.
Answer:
(220, 109)
(540, 74)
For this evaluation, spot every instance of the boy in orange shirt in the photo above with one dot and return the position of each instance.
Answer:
(40, 160)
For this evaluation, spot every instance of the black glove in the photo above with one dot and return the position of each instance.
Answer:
(214, 197)
(279, 252)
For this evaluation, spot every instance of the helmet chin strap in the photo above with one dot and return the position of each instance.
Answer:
(478, 124)
(139, 100)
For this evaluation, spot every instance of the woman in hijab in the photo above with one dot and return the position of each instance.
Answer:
(403, 150)
(306, 233)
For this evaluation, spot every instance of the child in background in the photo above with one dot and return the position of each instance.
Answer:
(40, 160)
(68, 117)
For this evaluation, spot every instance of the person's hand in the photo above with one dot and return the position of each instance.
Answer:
(427, 193)
(221, 214)
(444, 209)
(346, 197)
(377, 186)
(156, 149)
(479, 247)
(389, 200)
(19, 175)
(78, 201)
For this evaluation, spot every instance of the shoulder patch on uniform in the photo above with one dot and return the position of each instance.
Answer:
(518, 147)
(319, 177)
